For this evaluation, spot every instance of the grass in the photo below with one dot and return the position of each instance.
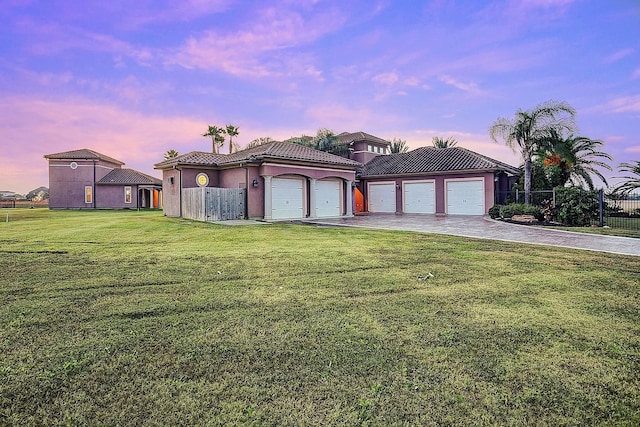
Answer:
(621, 232)
(131, 318)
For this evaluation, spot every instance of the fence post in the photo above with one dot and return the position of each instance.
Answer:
(517, 196)
(601, 203)
(553, 197)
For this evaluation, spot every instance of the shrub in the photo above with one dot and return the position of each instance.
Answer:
(494, 211)
(576, 207)
(508, 211)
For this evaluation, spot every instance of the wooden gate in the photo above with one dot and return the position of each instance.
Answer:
(213, 204)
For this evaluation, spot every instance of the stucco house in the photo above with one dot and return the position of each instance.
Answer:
(86, 179)
(289, 181)
(283, 180)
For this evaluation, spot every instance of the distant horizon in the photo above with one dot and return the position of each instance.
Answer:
(134, 85)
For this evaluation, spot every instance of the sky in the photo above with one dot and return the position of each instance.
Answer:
(133, 79)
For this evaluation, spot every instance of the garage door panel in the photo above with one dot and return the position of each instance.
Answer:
(419, 197)
(328, 196)
(382, 197)
(465, 197)
(286, 198)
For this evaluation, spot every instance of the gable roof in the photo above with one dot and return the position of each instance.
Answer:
(275, 150)
(82, 154)
(348, 138)
(425, 160)
(129, 176)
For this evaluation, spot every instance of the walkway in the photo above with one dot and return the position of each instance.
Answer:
(486, 228)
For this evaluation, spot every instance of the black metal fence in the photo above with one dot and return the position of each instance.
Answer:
(621, 212)
(615, 211)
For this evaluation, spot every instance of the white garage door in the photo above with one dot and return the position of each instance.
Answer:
(286, 198)
(382, 197)
(419, 197)
(328, 198)
(465, 197)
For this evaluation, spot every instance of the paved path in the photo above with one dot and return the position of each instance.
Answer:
(486, 228)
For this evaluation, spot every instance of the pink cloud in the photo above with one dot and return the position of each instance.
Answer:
(625, 104)
(386, 78)
(619, 55)
(264, 49)
(36, 127)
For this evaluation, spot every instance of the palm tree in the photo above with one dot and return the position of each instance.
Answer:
(399, 146)
(528, 129)
(232, 131)
(632, 181)
(444, 143)
(217, 137)
(578, 157)
(170, 154)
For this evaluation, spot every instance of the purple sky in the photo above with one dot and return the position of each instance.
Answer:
(132, 79)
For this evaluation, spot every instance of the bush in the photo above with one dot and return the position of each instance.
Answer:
(508, 211)
(576, 207)
(494, 211)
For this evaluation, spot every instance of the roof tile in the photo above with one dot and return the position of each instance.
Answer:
(432, 160)
(129, 176)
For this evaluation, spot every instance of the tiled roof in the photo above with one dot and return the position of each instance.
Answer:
(129, 176)
(82, 154)
(348, 138)
(286, 151)
(275, 150)
(195, 158)
(433, 160)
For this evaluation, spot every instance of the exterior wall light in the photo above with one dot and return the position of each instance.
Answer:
(255, 183)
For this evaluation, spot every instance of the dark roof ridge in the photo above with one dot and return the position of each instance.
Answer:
(82, 153)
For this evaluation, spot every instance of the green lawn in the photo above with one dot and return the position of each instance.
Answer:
(131, 318)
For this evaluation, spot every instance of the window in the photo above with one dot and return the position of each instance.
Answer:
(370, 148)
(127, 194)
(88, 194)
(202, 179)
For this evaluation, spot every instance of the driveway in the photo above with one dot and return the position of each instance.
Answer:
(486, 228)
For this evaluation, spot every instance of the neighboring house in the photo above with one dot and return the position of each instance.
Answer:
(283, 180)
(453, 181)
(85, 179)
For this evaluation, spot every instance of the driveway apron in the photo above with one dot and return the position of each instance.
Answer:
(486, 228)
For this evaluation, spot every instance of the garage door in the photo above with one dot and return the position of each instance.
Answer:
(328, 198)
(286, 198)
(382, 197)
(465, 197)
(419, 197)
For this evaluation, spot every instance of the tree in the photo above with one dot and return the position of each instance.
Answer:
(399, 146)
(217, 137)
(232, 131)
(259, 141)
(170, 154)
(444, 143)
(632, 180)
(576, 157)
(528, 129)
(325, 140)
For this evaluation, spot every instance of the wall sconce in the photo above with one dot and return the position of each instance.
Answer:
(255, 183)
(170, 180)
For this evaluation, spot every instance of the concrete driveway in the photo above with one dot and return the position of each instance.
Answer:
(486, 228)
